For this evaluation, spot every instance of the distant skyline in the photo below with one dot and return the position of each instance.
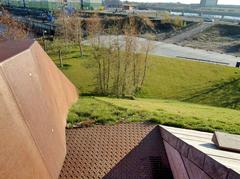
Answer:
(233, 2)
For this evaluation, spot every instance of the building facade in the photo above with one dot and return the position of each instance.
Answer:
(112, 3)
(207, 3)
(92, 4)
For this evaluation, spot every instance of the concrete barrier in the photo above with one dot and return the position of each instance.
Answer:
(189, 161)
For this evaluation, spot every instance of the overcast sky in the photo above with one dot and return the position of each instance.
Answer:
(237, 2)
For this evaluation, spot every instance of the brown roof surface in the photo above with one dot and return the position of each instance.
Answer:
(34, 100)
(112, 151)
(141, 151)
(12, 48)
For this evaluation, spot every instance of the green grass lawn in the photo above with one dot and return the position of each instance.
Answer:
(167, 78)
(103, 110)
(168, 81)
(77, 68)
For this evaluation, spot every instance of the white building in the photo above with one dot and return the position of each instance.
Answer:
(206, 3)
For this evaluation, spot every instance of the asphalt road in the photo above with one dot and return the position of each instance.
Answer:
(172, 50)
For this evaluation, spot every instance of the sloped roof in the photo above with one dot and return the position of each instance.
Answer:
(34, 100)
(11, 48)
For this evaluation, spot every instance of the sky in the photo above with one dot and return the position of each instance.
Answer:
(236, 2)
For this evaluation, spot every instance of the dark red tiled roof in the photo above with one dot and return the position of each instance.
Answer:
(112, 152)
(138, 151)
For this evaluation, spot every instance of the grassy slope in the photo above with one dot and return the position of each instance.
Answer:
(77, 69)
(167, 78)
(226, 94)
(199, 117)
(179, 79)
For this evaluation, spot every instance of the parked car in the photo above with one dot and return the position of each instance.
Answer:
(206, 19)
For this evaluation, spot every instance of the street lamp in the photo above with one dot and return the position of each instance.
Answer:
(44, 40)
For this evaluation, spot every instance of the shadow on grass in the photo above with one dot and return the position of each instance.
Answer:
(65, 66)
(226, 94)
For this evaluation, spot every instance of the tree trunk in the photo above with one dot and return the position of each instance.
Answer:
(118, 70)
(100, 77)
(79, 36)
(108, 72)
(134, 72)
(145, 67)
(60, 57)
(124, 83)
(80, 48)
(104, 73)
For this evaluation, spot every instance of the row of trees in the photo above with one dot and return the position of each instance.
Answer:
(177, 22)
(119, 60)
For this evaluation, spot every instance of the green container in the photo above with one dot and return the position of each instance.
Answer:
(75, 5)
(16, 3)
(53, 4)
(92, 4)
(46, 5)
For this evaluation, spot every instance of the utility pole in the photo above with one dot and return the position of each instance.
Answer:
(81, 4)
(24, 3)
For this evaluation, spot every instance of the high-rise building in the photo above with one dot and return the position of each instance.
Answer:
(206, 3)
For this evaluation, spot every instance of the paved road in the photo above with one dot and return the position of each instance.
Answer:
(171, 50)
(189, 33)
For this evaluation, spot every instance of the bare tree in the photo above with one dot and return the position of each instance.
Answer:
(130, 32)
(121, 61)
(56, 46)
(136, 53)
(75, 28)
(13, 29)
(63, 27)
(117, 62)
(94, 27)
(177, 22)
(62, 37)
(146, 48)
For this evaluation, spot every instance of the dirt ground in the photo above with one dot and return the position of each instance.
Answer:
(220, 38)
